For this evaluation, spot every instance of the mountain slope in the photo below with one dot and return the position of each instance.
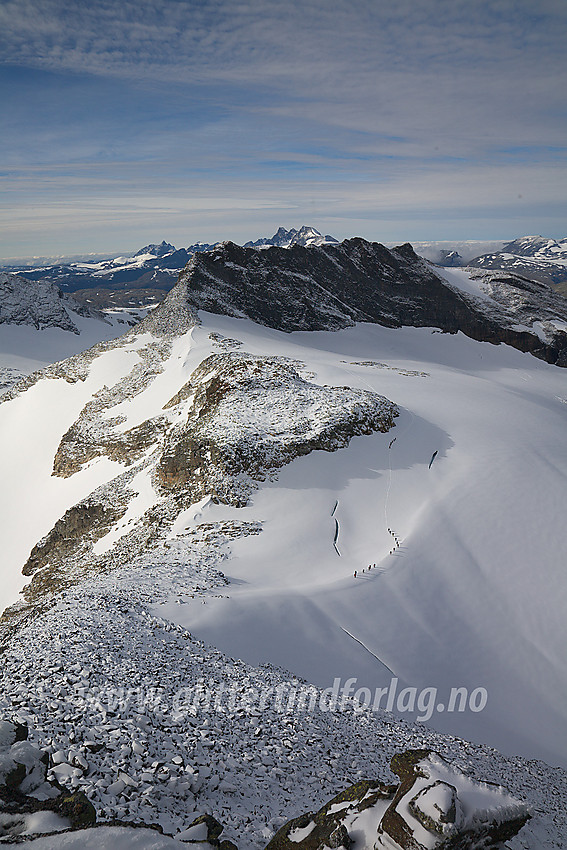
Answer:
(535, 257)
(216, 477)
(40, 325)
(333, 286)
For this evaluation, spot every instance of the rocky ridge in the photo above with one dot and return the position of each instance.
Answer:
(39, 304)
(233, 423)
(334, 286)
(154, 727)
(147, 275)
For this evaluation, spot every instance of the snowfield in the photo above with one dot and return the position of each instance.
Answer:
(25, 349)
(474, 596)
(452, 519)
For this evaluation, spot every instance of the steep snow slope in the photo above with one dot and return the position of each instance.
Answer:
(468, 588)
(474, 596)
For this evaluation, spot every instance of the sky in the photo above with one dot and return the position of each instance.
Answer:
(124, 123)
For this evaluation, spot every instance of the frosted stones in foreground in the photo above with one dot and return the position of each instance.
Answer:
(434, 806)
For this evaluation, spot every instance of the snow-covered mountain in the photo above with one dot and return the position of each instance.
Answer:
(282, 238)
(39, 325)
(156, 250)
(144, 277)
(215, 477)
(42, 305)
(125, 281)
(539, 247)
(457, 253)
(536, 257)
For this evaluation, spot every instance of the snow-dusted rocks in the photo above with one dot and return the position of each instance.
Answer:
(338, 822)
(247, 416)
(333, 286)
(41, 305)
(172, 729)
(29, 803)
(434, 806)
(437, 806)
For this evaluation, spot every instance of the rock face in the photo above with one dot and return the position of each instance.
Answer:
(334, 286)
(438, 806)
(434, 806)
(42, 305)
(331, 825)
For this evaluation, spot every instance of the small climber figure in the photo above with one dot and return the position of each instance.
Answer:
(355, 573)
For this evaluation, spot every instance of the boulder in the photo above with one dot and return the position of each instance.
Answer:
(435, 806)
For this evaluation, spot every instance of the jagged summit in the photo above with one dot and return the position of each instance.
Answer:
(282, 238)
(156, 250)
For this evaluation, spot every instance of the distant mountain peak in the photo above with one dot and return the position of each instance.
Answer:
(306, 236)
(529, 246)
(157, 250)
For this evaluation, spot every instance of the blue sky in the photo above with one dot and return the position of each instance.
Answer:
(186, 120)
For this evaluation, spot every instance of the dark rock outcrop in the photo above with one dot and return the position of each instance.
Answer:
(333, 286)
(77, 530)
(326, 828)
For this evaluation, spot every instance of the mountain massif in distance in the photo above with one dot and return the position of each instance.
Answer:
(152, 271)
(288, 548)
